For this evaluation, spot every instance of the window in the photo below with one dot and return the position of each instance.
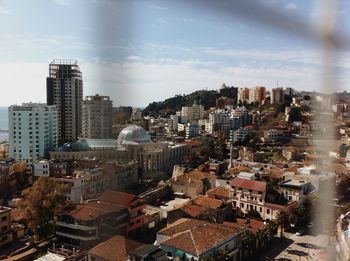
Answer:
(3, 218)
(268, 211)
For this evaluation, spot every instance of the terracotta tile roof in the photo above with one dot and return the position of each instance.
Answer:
(180, 225)
(194, 176)
(116, 197)
(249, 184)
(192, 210)
(238, 169)
(115, 249)
(202, 237)
(274, 173)
(253, 224)
(200, 175)
(200, 205)
(207, 202)
(92, 210)
(222, 192)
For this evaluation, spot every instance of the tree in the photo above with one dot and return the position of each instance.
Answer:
(41, 203)
(254, 214)
(271, 229)
(301, 212)
(248, 241)
(282, 221)
(261, 236)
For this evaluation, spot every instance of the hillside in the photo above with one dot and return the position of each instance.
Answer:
(204, 97)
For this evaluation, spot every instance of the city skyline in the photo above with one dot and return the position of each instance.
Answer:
(138, 52)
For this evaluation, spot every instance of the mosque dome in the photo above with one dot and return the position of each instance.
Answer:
(134, 134)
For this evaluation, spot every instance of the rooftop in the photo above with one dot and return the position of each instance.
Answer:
(117, 248)
(197, 237)
(249, 184)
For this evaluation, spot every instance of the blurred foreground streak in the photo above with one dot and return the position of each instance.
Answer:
(322, 32)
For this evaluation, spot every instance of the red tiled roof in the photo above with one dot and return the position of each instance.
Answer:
(116, 197)
(202, 237)
(92, 210)
(222, 191)
(207, 202)
(117, 248)
(192, 210)
(249, 184)
(180, 225)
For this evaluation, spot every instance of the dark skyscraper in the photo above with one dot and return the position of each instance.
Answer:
(64, 88)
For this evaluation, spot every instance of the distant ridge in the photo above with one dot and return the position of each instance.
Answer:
(203, 97)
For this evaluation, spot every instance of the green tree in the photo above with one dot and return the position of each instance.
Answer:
(271, 229)
(261, 237)
(282, 221)
(301, 212)
(41, 203)
(248, 241)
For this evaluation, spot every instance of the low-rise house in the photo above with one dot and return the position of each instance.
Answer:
(117, 248)
(193, 183)
(89, 223)
(189, 239)
(248, 195)
(5, 224)
(9, 231)
(204, 208)
(222, 192)
(83, 184)
(295, 190)
(290, 153)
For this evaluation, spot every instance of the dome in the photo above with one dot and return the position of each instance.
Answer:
(133, 134)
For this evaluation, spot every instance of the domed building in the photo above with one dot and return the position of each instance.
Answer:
(133, 143)
(133, 134)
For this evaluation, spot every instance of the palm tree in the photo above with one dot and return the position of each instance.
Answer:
(248, 241)
(261, 237)
(282, 221)
(271, 229)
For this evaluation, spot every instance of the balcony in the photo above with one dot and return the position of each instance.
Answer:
(75, 226)
(77, 237)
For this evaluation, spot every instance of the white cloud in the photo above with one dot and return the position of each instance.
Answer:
(138, 81)
(4, 11)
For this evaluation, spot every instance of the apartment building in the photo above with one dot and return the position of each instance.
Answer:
(97, 117)
(248, 195)
(32, 131)
(64, 89)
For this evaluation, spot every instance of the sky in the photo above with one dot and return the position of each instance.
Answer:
(140, 51)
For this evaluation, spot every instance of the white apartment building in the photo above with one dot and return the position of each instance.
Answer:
(218, 122)
(193, 113)
(32, 131)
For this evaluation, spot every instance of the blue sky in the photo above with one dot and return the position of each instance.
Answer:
(147, 50)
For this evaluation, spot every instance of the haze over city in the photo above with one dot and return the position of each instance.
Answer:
(143, 51)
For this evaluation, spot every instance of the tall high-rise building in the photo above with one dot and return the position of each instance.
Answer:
(257, 94)
(32, 131)
(64, 88)
(243, 95)
(97, 117)
(277, 95)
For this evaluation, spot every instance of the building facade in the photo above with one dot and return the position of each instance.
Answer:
(64, 89)
(32, 131)
(97, 117)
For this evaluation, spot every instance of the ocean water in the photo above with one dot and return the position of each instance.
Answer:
(3, 123)
(3, 118)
